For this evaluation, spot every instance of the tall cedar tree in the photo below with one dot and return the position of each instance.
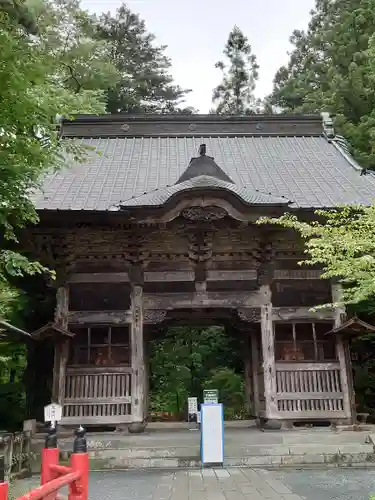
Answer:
(235, 94)
(332, 68)
(146, 84)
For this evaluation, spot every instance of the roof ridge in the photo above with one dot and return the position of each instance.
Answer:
(343, 146)
(119, 117)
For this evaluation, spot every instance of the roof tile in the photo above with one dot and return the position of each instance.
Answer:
(308, 171)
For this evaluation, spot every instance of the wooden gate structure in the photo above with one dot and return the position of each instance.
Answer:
(162, 223)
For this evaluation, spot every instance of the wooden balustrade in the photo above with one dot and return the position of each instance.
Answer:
(16, 449)
(309, 390)
(97, 395)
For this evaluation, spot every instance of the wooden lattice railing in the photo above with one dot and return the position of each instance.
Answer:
(97, 395)
(309, 390)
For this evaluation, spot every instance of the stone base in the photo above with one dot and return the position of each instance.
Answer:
(270, 424)
(137, 427)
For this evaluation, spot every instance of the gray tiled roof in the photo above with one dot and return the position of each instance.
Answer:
(308, 171)
(160, 196)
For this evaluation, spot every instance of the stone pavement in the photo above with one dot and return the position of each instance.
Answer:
(222, 484)
(206, 484)
(225, 484)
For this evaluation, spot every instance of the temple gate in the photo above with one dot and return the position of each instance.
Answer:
(147, 231)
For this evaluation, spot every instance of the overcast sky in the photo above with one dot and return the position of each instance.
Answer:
(196, 31)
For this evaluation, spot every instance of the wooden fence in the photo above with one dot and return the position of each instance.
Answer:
(16, 450)
(306, 390)
(99, 395)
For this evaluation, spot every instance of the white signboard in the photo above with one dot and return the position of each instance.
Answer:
(193, 411)
(52, 413)
(212, 437)
(210, 396)
(192, 405)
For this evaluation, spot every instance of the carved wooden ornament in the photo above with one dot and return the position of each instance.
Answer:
(204, 213)
(153, 316)
(250, 314)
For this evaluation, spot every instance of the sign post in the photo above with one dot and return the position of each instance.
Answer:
(53, 413)
(210, 396)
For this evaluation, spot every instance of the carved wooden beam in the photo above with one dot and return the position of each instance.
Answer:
(98, 278)
(301, 313)
(297, 274)
(165, 276)
(203, 299)
(243, 275)
(99, 317)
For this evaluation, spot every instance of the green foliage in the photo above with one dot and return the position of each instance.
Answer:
(231, 390)
(18, 12)
(235, 94)
(342, 241)
(185, 359)
(332, 68)
(36, 90)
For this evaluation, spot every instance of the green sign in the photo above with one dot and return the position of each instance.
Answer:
(210, 396)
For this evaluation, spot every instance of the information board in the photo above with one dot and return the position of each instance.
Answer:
(52, 412)
(192, 405)
(192, 409)
(212, 433)
(210, 396)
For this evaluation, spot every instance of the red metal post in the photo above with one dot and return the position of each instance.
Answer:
(3, 483)
(3, 491)
(80, 463)
(80, 489)
(50, 456)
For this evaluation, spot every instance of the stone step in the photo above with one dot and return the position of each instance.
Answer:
(241, 448)
(231, 451)
(309, 455)
(263, 461)
(251, 438)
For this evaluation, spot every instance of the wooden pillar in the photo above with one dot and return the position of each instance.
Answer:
(344, 359)
(268, 348)
(146, 406)
(248, 373)
(61, 346)
(138, 361)
(255, 374)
